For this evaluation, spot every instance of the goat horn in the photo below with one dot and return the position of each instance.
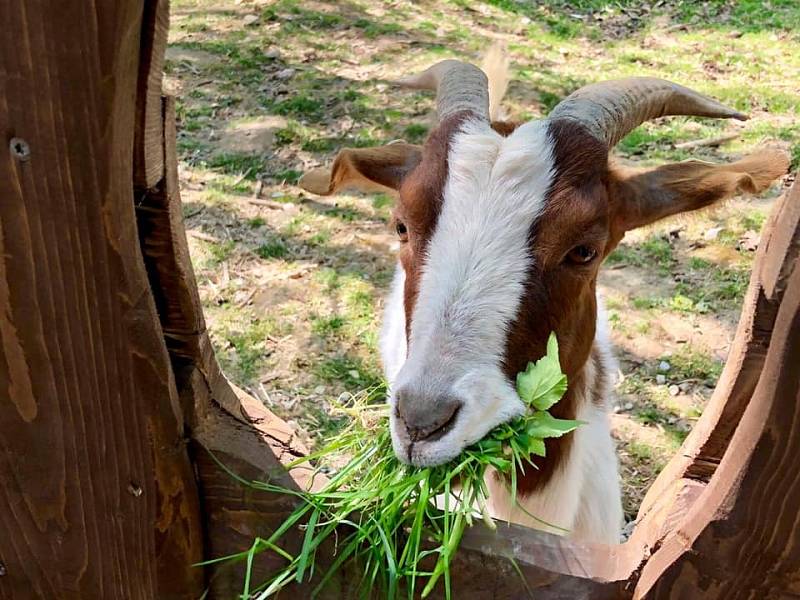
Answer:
(459, 87)
(612, 109)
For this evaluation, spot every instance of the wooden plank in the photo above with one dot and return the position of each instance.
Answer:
(148, 143)
(742, 537)
(97, 495)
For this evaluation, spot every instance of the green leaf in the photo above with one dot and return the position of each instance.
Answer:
(536, 447)
(543, 384)
(543, 425)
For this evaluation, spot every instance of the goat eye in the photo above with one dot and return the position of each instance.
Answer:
(582, 255)
(401, 229)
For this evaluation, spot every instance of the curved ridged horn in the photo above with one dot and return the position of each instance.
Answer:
(612, 109)
(459, 86)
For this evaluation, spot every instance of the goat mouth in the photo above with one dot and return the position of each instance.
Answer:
(434, 435)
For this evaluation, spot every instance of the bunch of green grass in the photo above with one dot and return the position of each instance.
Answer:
(388, 516)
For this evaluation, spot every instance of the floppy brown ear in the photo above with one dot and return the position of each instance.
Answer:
(643, 196)
(364, 169)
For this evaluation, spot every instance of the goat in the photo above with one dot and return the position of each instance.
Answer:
(502, 228)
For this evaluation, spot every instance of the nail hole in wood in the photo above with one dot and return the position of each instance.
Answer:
(20, 149)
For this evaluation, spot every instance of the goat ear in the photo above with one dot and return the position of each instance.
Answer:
(643, 196)
(364, 169)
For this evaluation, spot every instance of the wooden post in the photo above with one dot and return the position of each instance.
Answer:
(97, 492)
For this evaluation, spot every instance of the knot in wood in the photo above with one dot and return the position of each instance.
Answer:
(20, 149)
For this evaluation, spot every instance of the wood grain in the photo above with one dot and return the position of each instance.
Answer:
(97, 496)
(148, 150)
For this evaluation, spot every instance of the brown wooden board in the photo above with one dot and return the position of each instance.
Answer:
(97, 495)
(148, 143)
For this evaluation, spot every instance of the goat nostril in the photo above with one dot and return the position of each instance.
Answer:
(437, 422)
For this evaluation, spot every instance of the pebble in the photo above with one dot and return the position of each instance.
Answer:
(674, 390)
(250, 19)
(628, 406)
(285, 74)
(661, 379)
(319, 390)
(664, 366)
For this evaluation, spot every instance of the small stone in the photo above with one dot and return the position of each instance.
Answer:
(284, 74)
(354, 374)
(685, 386)
(661, 379)
(664, 366)
(712, 233)
(272, 53)
(674, 390)
(319, 390)
(249, 20)
(628, 405)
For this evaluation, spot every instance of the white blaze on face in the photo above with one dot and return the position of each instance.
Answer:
(472, 282)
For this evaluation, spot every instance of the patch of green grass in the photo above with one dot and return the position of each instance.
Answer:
(654, 250)
(288, 175)
(247, 339)
(274, 249)
(415, 133)
(381, 201)
(320, 238)
(300, 105)
(220, 252)
(326, 326)
(350, 371)
(227, 184)
(345, 213)
(646, 302)
(319, 145)
(713, 287)
(247, 166)
(691, 363)
(373, 29)
(329, 278)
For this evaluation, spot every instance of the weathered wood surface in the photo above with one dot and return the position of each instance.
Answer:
(97, 494)
(148, 150)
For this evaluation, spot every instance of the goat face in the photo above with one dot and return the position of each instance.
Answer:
(502, 232)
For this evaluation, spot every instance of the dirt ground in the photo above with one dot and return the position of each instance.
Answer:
(293, 285)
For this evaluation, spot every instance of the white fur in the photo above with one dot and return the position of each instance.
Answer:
(393, 330)
(472, 283)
